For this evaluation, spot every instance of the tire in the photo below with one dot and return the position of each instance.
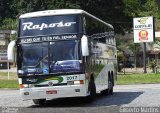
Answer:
(92, 89)
(110, 85)
(39, 101)
(104, 92)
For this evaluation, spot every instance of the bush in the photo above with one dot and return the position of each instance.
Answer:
(152, 65)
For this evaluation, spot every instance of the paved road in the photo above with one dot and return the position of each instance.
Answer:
(125, 95)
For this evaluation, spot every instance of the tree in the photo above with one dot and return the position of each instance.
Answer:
(25, 6)
(119, 13)
(135, 48)
(8, 23)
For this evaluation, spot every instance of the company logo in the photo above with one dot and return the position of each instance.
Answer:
(143, 35)
(143, 20)
(30, 25)
(143, 24)
(31, 80)
(50, 83)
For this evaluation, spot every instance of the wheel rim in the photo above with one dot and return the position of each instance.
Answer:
(110, 85)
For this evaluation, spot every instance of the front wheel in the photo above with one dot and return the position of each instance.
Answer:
(92, 89)
(39, 101)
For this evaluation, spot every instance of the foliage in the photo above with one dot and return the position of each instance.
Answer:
(137, 8)
(25, 6)
(132, 7)
(8, 23)
(138, 79)
(152, 65)
(14, 36)
(119, 13)
(9, 84)
(120, 58)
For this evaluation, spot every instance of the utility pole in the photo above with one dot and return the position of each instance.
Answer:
(144, 57)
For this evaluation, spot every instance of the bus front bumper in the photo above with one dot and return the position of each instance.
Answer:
(53, 92)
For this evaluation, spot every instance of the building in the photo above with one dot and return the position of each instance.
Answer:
(5, 37)
(152, 50)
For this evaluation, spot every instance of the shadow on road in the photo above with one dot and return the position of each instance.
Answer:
(118, 98)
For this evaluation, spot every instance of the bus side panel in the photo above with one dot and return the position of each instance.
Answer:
(102, 63)
(103, 54)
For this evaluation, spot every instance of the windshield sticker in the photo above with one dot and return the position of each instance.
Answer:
(45, 70)
(66, 66)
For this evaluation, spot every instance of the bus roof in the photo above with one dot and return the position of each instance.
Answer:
(61, 12)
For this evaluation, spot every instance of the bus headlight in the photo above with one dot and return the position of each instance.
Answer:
(77, 82)
(24, 86)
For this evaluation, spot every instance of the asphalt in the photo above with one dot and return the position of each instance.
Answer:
(142, 95)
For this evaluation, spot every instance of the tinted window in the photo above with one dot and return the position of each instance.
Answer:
(65, 56)
(49, 57)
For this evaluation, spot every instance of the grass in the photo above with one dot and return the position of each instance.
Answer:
(122, 79)
(11, 83)
(138, 79)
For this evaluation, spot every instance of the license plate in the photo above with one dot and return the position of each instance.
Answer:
(51, 92)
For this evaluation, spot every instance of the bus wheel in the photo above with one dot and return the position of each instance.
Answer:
(39, 101)
(110, 85)
(92, 89)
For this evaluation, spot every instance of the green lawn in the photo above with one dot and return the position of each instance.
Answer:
(9, 84)
(122, 79)
(138, 79)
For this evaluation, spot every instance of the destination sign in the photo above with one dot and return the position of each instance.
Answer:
(31, 26)
(50, 25)
(47, 38)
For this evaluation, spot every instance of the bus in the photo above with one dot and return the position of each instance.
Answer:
(64, 53)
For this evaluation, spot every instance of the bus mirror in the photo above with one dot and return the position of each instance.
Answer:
(10, 51)
(84, 45)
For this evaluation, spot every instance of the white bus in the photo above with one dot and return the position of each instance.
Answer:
(64, 53)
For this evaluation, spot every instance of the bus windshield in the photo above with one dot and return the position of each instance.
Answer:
(51, 57)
